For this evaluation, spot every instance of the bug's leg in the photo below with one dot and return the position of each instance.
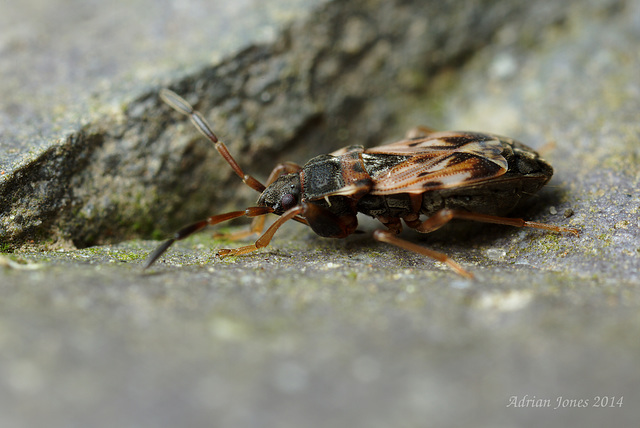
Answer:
(390, 238)
(419, 131)
(256, 227)
(413, 219)
(181, 105)
(392, 223)
(264, 240)
(195, 227)
(445, 215)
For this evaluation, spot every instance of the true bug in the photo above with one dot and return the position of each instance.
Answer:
(440, 175)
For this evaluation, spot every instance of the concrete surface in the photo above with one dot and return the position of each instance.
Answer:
(314, 332)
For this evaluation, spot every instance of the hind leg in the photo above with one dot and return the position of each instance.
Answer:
(390, 238)
(444, 216)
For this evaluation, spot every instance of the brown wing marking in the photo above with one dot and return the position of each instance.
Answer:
(437, 142)
(469, 158)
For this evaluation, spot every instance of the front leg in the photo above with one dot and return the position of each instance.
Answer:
(265, 239)
(195, 227)
(256, 228)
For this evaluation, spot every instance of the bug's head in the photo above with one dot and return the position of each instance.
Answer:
(282, 194)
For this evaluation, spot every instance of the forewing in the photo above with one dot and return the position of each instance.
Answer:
(439, 161)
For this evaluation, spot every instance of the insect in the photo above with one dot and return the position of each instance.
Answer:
(425, 181)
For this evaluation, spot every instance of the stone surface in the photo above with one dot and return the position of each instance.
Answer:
(314, 332)
(81, 161)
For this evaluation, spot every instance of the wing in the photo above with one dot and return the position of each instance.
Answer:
(440, 160)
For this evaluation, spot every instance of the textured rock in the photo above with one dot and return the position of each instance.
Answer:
(339, 77)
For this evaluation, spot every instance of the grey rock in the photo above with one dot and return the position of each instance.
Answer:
(339, 77)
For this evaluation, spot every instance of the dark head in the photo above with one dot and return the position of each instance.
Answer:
(527, 163)
(282, 194)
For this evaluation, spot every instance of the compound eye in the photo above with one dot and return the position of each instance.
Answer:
(288, 201)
